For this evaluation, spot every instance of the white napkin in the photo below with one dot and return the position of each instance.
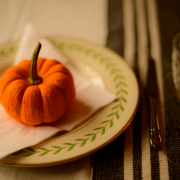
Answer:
(89, 98)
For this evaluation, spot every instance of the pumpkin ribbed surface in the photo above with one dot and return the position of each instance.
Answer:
(45, 102)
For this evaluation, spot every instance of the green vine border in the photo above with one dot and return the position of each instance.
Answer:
(118, 107)
(6, 52)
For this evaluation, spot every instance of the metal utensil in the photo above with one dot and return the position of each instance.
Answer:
(152, 93)
(176, 64)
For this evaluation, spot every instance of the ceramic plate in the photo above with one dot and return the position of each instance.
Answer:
(105, 69)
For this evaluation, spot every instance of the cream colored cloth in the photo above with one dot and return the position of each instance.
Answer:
(79, 19)
(89, 99)
(71, 18)
(76, 170)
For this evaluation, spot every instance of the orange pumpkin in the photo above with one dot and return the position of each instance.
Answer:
(37, 91)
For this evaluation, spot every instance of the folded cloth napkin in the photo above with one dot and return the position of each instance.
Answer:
(89, 98)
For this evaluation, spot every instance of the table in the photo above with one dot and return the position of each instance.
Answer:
(134, 29)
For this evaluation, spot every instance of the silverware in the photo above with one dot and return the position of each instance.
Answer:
(152, 94)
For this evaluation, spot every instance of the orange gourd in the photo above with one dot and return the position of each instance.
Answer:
(37, 91)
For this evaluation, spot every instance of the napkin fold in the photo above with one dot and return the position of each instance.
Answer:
(89, 98)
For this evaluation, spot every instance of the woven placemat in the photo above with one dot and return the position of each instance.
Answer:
(109, 161)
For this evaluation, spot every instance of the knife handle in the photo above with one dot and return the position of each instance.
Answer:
(155, 136)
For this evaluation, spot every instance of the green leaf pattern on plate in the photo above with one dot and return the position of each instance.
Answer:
(7, 52)
(120, 85)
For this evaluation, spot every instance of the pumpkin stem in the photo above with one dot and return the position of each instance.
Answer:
(34, 78)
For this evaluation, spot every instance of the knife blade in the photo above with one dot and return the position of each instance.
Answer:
(152, 94)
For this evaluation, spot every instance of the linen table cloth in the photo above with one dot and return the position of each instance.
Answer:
(135, 29)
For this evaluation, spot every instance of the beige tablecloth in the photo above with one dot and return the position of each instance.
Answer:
(85, 20)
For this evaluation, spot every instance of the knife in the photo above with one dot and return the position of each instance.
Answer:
(152, 94)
